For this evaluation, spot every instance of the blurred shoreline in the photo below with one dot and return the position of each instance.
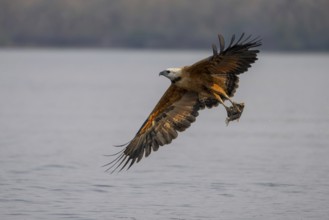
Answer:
(283, 25)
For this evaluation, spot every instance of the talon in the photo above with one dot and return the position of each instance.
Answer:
(234, 112)
(238, 106)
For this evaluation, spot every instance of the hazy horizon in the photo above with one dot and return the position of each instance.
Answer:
(283, 25)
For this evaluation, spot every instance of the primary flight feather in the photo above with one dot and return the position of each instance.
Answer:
(206, 83)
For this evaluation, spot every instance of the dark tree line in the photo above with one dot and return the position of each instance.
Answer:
(283, 24)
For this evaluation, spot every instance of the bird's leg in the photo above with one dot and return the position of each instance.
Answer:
(233, 112)
(222, 102)
(238, 106)
(236, 110)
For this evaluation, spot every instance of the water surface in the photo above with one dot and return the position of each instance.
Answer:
(62, 110)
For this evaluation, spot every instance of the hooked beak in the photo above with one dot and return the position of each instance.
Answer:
(164, 73)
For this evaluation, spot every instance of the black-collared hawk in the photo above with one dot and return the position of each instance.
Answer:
(206, 83)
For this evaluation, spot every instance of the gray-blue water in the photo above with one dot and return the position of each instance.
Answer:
(62, 110)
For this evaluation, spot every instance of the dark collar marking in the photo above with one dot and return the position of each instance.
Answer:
(176, 79)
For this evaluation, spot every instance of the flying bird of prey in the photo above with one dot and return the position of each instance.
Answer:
(206, 83)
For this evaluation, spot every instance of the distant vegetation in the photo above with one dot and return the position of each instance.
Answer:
(283, 24)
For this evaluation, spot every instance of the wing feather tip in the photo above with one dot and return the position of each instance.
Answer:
(214, 50)
(221, 42)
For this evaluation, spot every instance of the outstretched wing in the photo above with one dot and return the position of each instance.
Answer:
(224, 66)
(175, 111)
(235, 59)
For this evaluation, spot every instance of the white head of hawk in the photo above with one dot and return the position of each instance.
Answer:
(206, 83)
(173, 74)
